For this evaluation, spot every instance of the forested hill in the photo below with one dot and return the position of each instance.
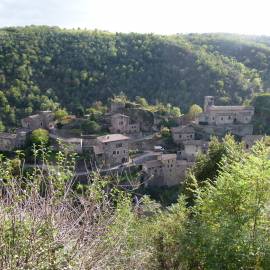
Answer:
(45, 67)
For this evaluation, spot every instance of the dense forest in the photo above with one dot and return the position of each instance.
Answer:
(48, 67)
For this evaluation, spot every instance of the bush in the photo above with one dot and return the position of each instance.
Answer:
(40, 136)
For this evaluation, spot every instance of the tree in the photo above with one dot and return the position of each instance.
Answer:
(60, 114)
(165, 132)
(40, 136)
(2, 127)
(207, 166)
(141, 101)
(91, 127)
(175, 111)
(230, 224)
(194, 111)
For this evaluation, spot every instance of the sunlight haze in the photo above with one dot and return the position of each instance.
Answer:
(163, 17)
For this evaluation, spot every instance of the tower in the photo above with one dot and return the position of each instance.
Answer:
(208, 101)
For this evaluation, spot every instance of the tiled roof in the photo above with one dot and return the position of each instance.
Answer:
(167, 156)
(229, 108)
(112, 138)
(182, 129)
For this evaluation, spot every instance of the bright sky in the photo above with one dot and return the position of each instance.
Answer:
(156, 16)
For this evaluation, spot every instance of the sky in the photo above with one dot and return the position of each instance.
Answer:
(143, 16)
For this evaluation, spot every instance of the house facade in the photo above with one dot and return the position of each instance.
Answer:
(121, 123)
(44, 119)
(182, 133)
(192, 149)
(166, 170)
(11, 141)
(111, 150)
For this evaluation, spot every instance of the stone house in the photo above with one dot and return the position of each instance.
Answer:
(192, 148)
(44, 119)
(182, 133)
(111, 150)
(121, 123)
(250, 140)
(166, 170)
(224, 115)
(11, 141)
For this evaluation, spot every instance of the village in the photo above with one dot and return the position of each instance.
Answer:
(135, 142)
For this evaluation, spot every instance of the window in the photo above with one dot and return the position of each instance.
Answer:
(180, 136)
(114, 152)
(118, 145)
(117, 152)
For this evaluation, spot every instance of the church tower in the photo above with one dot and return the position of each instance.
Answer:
(208, 101)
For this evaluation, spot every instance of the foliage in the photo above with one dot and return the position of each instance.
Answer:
(91, 127)
(194, 111)
(261, 104)
(207, 166)
(165, 132)
(102, 226)
(40, 136)
(48, 222)
(44, 68)
(230, 223)
(61, 114)
(96, 111)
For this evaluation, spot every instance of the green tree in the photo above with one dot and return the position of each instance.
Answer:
(141, 101)
(91, 127)
(2, 127)
(194, 111)
(207, 166)
(229, 228)
(60, 114)
(165, 132)
(40, 136)
(175, 111)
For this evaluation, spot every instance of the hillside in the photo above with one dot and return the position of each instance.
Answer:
(44, 68)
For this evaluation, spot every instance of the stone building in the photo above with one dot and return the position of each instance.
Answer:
(192, 148)
(121, 123)
(166, 170)
(44, 119)
(11, 141)
(112, 150)
(250, 140)
(222, 115)
(182, 133)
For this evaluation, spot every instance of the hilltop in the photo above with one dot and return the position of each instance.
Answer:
(44, 68)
